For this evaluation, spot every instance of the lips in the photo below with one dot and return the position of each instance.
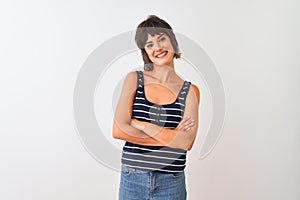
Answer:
(162, 54)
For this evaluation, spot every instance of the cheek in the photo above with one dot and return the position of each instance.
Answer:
(149, 53)
(168, 43)
(171, 47)
(150, 57)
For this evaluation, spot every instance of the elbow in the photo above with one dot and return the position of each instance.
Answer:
(187, 146)
(185, 142)
(114, 135)
(119, 130)
(189, 143)
(116, 131)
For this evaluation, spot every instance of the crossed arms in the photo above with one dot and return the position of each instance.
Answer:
(145, 133)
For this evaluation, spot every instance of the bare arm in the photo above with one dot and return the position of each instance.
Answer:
(122, 117)
(135, 131)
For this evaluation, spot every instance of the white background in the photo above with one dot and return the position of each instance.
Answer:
(255, 46)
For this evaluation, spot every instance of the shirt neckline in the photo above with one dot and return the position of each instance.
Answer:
(144, 94)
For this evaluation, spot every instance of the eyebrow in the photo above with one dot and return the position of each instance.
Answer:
(160, 35)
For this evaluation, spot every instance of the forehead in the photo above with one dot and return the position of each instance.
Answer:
(155, 36)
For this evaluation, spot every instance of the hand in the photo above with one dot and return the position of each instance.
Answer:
(186, 124)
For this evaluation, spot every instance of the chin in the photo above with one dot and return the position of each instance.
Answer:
(162, 64)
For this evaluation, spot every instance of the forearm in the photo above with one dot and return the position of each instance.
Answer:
(170, 137)
(131, 134)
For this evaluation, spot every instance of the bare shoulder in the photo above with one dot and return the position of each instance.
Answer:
(196, 91)
(131, 76)
(130, 79)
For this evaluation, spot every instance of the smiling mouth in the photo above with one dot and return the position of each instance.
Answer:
(161, 54)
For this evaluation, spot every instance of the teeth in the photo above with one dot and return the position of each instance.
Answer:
(161, 55)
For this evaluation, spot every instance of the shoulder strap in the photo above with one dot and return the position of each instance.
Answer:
(140, 79)
(183, 92)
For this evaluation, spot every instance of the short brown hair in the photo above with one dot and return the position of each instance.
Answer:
(154, 25)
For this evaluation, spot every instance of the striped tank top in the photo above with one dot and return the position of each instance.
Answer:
(156, 158)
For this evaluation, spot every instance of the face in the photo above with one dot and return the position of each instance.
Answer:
(159, 49)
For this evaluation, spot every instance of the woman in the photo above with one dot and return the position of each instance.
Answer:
(157, 116)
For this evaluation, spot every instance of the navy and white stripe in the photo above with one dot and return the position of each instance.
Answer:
(156, 158)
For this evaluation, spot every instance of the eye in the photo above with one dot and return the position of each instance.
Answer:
(162, 39)
(149, 46)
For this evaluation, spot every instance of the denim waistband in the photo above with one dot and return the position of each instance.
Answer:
(134, 169)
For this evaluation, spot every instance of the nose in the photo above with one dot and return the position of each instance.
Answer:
(157, 47)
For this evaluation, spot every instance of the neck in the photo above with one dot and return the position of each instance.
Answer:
(164, 73)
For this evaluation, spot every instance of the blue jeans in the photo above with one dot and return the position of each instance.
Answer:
(144, 185)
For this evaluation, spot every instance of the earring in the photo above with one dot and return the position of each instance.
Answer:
(148, 66)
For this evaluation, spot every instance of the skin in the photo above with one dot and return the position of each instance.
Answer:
(161, 80)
